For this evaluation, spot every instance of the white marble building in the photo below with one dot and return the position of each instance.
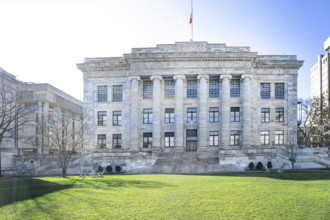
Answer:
(213, 100)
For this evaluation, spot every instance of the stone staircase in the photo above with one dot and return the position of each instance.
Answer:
(187, 162)
(323, 161)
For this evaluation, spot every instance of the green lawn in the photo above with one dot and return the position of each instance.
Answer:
(300, 195)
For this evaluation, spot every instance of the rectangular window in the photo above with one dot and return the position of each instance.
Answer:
(147, 89)
(116, 117)
(191, 89)
(191, 140)
(102, 93)
(192, 115)
(101, 141)
(235, 88)
(279, 112)
(147, 140)
(234, 138)
(234, 114)
(279, 137)
(101, 118)
(265, 90)
(279, 90)
(169, 139)
(117, 95)
(116, 140)
(265, 114)
(169, 92)
(264, 137)
(214, 88)
(147, 116)
(214, 114)
(169, 115)
(214, 138)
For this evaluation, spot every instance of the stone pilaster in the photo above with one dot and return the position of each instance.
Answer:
(203, 116)
(290, 92)
(134, 115)
(179, 129)
(225, 110)
(156, 114)
(246, 135)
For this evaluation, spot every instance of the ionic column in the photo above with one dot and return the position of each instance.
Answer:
(203, 116)
(156, 114)
(134, 114)
(179, 129)
(225, 109)
(246, 136)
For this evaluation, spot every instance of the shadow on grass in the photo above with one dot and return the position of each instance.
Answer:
(118, 183)
(19, 190)
(297, 176)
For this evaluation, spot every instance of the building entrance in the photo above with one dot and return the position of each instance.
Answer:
(191, 140)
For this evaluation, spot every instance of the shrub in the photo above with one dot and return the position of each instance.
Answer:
(109, 169)
(251, 166)
(118, 169)
(100, 169)
(259, 166)
(269, 165)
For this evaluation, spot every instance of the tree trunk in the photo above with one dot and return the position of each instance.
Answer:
(292, 164)
(0, 163)
(64, 172)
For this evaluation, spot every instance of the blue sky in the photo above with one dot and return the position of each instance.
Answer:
(42, 40)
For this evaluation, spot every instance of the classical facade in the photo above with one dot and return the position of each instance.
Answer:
(218, 103)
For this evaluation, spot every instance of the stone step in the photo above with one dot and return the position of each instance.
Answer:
(196, 168)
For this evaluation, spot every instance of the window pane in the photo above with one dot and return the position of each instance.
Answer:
(169, 89)
(191, 89)
(279, 90)
(214, 88)
(265, 90)
(235, 88)
(117, 95)
(147, 89)
(102, 93)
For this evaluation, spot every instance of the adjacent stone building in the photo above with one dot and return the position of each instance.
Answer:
(190, 106)
(46, 100)
(320, 74)
(8, 86)
(25, 149)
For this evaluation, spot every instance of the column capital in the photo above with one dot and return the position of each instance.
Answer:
(246, 76)
(225, 76)
(205, 76)
(179, 77)
(134, 77)
(152, 78)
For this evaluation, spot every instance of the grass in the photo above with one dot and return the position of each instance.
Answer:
(299, 195)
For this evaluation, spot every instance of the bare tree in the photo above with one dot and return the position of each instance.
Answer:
(319, 121)
(63, 134)
(303, 127)
(293, 150)
(14, 113)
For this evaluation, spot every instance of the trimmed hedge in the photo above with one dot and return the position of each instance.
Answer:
(118, 169)
(259, 166)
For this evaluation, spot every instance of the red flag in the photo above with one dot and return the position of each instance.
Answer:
(190, 21)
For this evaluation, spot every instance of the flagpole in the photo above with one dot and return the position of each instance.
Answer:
(192, 22)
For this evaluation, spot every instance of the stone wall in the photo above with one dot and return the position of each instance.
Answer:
(228, 160)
